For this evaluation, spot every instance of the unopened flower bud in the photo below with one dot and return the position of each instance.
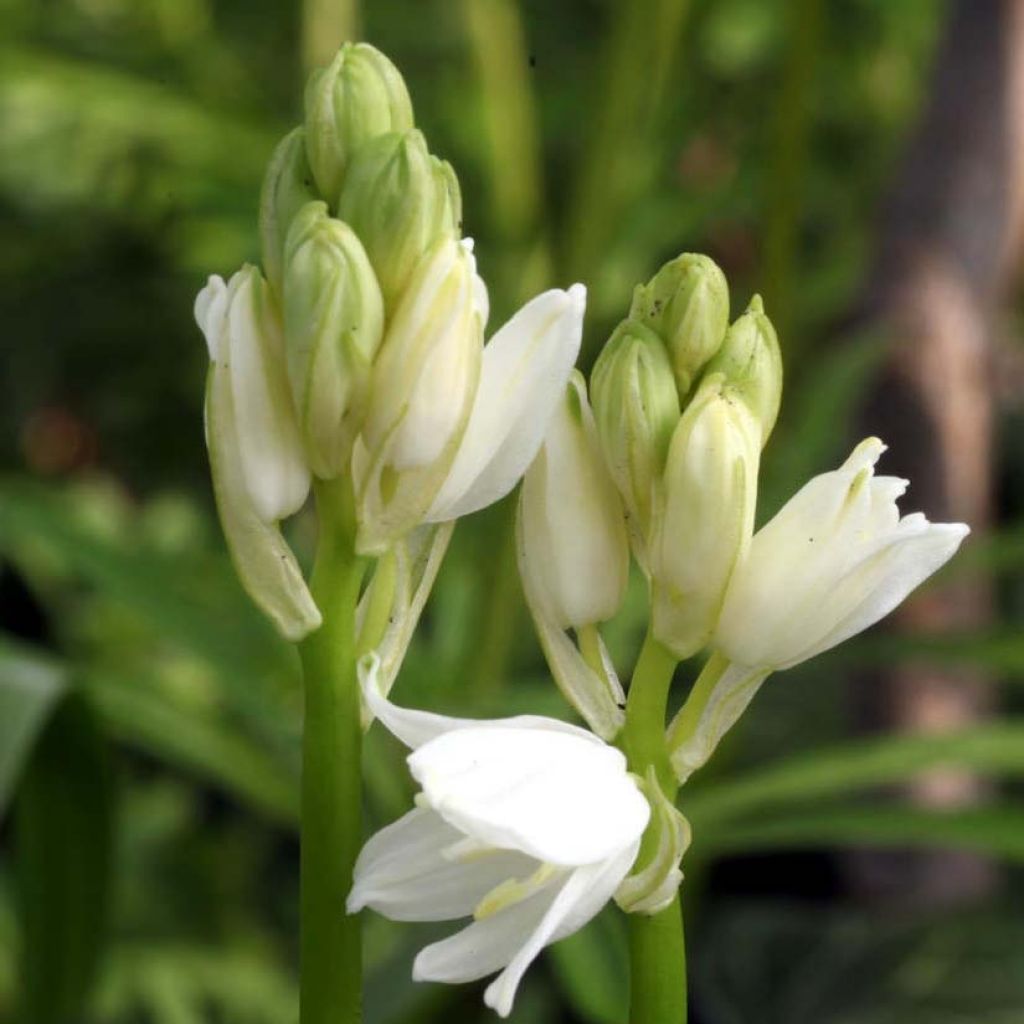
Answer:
(687, 304)
(424, 380)
(359, 96)
(400, 200)
(575, 547)
(752, 364)
(709, 498)
(334, 320)
(287, 187)
(636, 406)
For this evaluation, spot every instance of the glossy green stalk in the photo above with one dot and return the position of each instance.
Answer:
(657, 950)
(331, 941)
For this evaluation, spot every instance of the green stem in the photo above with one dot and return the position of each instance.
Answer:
(657, 967)
(657, 949)
(331, 942)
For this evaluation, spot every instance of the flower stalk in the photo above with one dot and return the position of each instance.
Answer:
(331, 941)
(657, 949)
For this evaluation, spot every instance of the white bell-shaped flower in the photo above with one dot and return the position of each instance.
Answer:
(527, 824)
(835, 560)
(452, 424)
(260, 475)
(573, 554)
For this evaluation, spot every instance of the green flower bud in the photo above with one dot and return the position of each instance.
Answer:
(359, 96)
(637, 408)
(287, 187)
(752, 364)
(334, 322)
(710, 489)
(400, 200)
(687, 304)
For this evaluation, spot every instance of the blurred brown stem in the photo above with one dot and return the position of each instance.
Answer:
(947, 245)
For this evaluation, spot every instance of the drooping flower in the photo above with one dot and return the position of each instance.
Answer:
(527, 824)
(573, 555)
(260, 475)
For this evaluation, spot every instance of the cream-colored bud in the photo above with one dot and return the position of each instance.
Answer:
(359, 96)
(424, 380)
(573, 529)
(687, 304)
(334, 321)
(401, 201)
(709, 498)
(752, 364)
(636, 406)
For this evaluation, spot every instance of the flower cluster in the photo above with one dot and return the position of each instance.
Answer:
(354, 365)
(358, 360)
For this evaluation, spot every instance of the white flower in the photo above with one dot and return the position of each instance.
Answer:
(835, 560)
(573, 554)
(527, 824)
(452, 425)
(259, 472)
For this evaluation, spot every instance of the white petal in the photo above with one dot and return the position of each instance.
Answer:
(273, 461)
(583, 895)
(484, 946)
(551, 795)
(414, 728)
(879, 585)
(210, 310)
(403, 871)
(525, 369)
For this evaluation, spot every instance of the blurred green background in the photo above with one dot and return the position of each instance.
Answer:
(149, 719)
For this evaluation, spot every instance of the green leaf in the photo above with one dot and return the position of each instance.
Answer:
(30, 688)
(592, 967)
(997, 830)
(189, 739)
(63, 843)
(856, 766)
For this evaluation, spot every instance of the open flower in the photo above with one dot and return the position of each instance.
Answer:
(526, 824)
(835, 560)
(453, 424)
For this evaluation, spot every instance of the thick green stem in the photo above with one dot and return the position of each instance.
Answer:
(331, 944)
(657, 950)
(657, 967)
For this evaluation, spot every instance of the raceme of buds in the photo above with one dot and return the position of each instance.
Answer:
(259, 471)
(528, 825)
(687, 305)
(450, 429)
(573, 557)
(752, 364)
(401, 201)
(287, 187)
(575, 548)
(710, 491)
(636, 406)
(359, 96)
(334, 320)
(832, 562)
